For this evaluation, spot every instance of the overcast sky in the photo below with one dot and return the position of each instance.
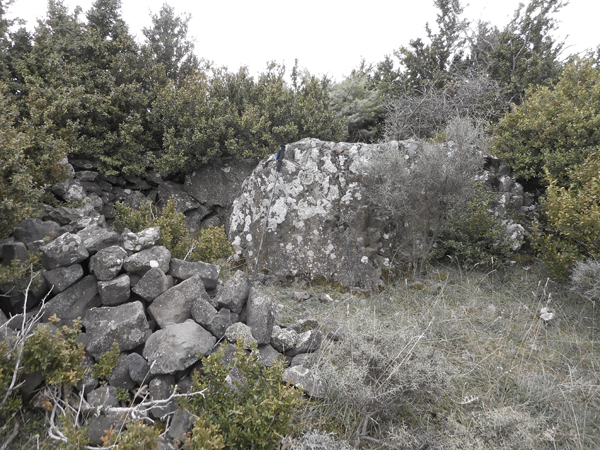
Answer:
(326, 36)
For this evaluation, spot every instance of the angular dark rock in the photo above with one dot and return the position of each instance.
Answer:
(108, 262)
(267, 355)
(161, 388)
(98, 427)
(63, 251)
(63, 277)
(185, 269)
(214, 185)
(181, 423)
(120, 377)
(74, 301)
(152, 284)
(16, 251)
(96, 238)
(175, 347)
(138, 368)
(145, 260)
(125, 324)
(64, 215)
(260, 316)
(175, 305)
(234, 292)
(207, 316)
(184, 201)
(30, 230)
(114, 292)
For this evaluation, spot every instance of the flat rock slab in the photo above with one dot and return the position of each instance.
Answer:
(209, 273)
(175, 347)
(74, 301)
(142, 262)
(96, 238)
(124, 324)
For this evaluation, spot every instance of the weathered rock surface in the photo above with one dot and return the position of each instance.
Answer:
(175, 305)
(63, 251)
(63, 277)
(174, 348)
(145, 260)
(152, 284)
(74, 301)
(234, 292)
(320, 224)
(184, 201)
(300, 376)
(31, 230)
(260, 316)
(108, 262)
(135, 242)
(125, 324)
(114, 292)
(209, 273)
(96, 238)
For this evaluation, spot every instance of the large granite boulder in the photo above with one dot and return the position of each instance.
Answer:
(320, 224)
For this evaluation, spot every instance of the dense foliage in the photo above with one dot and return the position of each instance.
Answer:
(556, 128)
(253, 410)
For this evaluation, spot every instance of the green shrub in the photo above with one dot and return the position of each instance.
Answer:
(107, 363)
(25, 171)
(474, 236)
(573, 219)
(253, 413)
(205, 436)
(555, 129)
(57, 354)
(210, 245)
(138, 436)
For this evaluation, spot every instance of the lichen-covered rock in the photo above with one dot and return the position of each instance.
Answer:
(108, 262)
(135, 242)
(310, 382)
(176, 347)
(241, 331)
(96, 238)
(124, 324)
(321, 224)
(142, 262)
(283, 339)
(308, 342)
(63, 251)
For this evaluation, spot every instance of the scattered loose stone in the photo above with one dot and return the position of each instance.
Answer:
(301, 296)
(307, 379)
